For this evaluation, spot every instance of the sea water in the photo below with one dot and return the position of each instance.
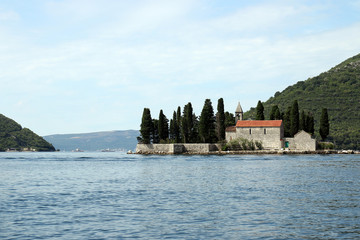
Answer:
(118, 196)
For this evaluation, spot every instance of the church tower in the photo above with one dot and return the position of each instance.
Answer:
(238, 113)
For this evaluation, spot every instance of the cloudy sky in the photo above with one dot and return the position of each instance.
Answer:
(72, 66)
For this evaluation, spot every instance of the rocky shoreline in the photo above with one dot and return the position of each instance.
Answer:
(255, 152)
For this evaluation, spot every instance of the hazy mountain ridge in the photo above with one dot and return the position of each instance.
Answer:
(96, 141)
(338, 90)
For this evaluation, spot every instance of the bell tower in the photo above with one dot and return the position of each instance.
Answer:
(238, 113)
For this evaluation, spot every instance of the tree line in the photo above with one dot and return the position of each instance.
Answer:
(294, 120)
(185, 126)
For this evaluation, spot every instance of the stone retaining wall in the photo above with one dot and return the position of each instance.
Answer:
(177, 148)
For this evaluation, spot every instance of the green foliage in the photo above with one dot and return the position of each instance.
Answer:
(220, 120)
(260, 111)
(13, 136)
(229, 119)
(207, 123)
(294, 118)
(324, 124)
(325, 145)
(187, 123)
(338, 90)
(163, 126)
(242, 144)
(146, 127)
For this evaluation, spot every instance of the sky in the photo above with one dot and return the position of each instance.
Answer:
(77, 66)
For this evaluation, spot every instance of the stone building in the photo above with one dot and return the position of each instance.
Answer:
(269, 132)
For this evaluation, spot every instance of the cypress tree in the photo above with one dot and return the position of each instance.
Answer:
(302, 124)
(145, 127)
(273, 112)
(287, 123)
(260, 111)
(220, 120)
(229, 119)
(174, 130)
(187, 123)
(206, 123)
(309, 123)
(155, 131)
(294, 119)
(277, 113)
(163, 126)
(178, 129)
(324, 124)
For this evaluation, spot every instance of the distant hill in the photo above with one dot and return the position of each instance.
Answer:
(14, 137)
(114, 140)
(338, 90)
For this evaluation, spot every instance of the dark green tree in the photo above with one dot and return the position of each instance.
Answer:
(155, 131)
(324, 124)
(207, 123)
(187, 123)
(229, 119)
(146, 127)
(302, 123)
(309, 123)
(220, 120)
(178, 119)
(173, 128)
(194, 136)
(260, 111)
(277, 114)
(163, 127)
(287, 122)
(294, 118)
(273, 112)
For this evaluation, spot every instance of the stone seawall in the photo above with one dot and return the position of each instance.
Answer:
(206, 148)
(177, 148)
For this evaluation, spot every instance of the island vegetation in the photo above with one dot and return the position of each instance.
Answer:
(15, 138)
(337, 91)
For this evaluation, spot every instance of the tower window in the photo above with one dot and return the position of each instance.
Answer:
(250, 131)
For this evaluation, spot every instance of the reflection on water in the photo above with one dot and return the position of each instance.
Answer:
(117, 196)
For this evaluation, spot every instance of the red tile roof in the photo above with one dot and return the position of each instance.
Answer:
(259, 123)
(230, 129)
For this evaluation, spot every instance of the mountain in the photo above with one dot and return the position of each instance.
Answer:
(114, 140)
(338, 90)
(13, 136)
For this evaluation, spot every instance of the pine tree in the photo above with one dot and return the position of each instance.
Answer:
(220, 120)
(294, 119)
(207, 123)
(324, 124)
(145, 127)
(163, 127)
(260, 111)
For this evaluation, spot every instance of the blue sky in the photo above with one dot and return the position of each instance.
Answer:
(71, 66)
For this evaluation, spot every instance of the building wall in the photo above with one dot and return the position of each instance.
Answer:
(301, 141)
(269, 136)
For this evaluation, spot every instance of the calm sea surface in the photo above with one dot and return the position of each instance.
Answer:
(119, 196)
